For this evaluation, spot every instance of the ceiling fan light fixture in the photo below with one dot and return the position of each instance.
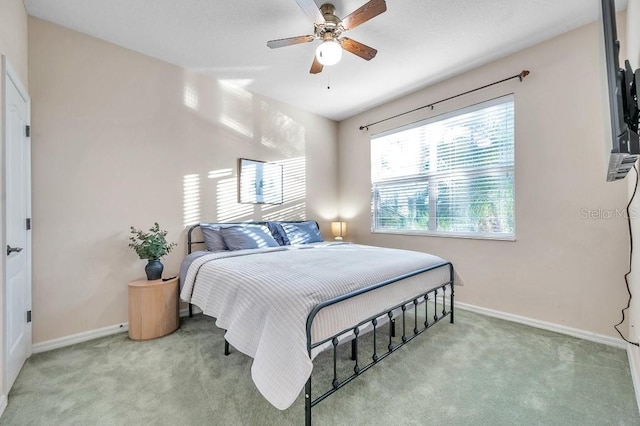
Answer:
(329, 29)
(329, 52)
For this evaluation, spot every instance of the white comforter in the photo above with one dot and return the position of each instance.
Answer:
(263, 297)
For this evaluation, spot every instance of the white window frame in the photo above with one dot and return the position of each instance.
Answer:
(429, 178)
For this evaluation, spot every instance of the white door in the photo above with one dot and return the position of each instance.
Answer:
(17, 213)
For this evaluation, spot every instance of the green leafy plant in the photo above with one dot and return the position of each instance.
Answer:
(150, 245)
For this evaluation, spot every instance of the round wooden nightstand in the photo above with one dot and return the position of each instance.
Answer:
(153, 308)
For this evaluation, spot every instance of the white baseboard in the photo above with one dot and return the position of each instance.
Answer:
(78, 338)
(633, 353)
(90, 335)
(3, 403)
(575, 332)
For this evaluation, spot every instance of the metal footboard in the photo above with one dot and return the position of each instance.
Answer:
(433, 299)
(391, 315)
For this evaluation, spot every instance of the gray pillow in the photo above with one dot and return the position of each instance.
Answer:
(247, 237)
(301, 233)
(212, 237)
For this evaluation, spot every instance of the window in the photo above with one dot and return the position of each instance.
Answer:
(450, 175)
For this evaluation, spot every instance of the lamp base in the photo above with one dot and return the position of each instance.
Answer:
(338, 238)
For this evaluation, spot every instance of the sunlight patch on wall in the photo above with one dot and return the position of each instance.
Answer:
(191, 199)
(237, 107)
(294, 192)
(294, 195)
(190, 97)
(294, 212)
(217, 174)
(236, 126)
(269, 143)
(281, 132)
(294, 179)
(229, 210)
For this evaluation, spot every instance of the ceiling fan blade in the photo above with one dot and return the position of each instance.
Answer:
(357, 48)
(290, 41)
(316, 66)
(364, 13)
(312, 11)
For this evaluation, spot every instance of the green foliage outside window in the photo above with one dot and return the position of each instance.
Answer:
(453, 175)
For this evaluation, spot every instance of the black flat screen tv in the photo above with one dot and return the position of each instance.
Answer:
(621, 119)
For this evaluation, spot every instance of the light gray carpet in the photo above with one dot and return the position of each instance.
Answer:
(478, 371)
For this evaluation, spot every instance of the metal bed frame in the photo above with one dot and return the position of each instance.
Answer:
(398, 312)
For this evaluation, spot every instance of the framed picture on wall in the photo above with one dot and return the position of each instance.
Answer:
(259, 182)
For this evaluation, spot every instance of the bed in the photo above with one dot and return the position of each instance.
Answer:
(284, 295)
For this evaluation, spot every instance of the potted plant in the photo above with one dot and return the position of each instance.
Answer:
(152, 246)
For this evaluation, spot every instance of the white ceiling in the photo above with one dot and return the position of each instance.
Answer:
(419, 42)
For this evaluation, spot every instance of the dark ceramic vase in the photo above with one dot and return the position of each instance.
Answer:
(154, 269)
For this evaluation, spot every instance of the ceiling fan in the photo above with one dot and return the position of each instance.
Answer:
(329, 28)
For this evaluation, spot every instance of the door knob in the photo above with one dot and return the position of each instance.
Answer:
(13, 249)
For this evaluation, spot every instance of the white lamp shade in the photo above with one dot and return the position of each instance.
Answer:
(329, 52)
(338, 229)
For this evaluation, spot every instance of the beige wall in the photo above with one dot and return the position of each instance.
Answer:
(13, 45)
(632, 52)
(562, 269)
(13, 36)
(122, 139)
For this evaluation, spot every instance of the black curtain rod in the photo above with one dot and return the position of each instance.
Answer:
(521, 76)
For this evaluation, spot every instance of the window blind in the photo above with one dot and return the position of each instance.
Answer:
(448, 175)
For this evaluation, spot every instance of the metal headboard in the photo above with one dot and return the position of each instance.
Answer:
(191, 243)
